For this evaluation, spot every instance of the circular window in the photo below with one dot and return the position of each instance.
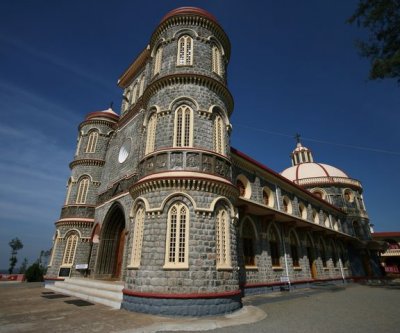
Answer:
(348, 195)
(124, 151)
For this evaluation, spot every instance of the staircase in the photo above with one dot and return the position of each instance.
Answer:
(104, 292)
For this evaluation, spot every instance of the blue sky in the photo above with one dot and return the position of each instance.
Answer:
(293, 69)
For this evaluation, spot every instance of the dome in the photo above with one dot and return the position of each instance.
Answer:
(109, 114)
(312, 170)
(190, 11)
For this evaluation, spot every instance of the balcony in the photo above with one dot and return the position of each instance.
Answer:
(391, 252)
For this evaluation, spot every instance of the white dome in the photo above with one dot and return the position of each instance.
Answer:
(312, 170)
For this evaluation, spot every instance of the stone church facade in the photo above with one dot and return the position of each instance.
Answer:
(159, 200)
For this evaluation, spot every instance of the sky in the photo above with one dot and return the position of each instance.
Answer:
(293, 69)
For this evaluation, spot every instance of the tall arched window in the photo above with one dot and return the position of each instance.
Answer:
(294, 249)
(157, 61)
(92, 142)
(185, 51)
(137, 238)
(134, 93)
(83, 188)
(219, 135)
(274, 247)
(222, 237)
(216, 60)
(151, 133)
(141, 88)
(249, 243)
(177, 245)
(286, 205)
(70, 249)
(183, 127)
(241, 188)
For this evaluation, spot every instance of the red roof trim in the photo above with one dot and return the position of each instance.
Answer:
(189, 10)
(181, 296)
(323, 169)
(386, 234)
(102, 114)
(280, 177)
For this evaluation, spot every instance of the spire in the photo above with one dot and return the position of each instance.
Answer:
(301, 154)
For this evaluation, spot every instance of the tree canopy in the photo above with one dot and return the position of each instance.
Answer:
(382, 19)
(15, 245)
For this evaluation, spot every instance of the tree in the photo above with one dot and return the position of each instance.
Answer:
(34, 273)
(15, 245)
(382, 19)
(23, 266)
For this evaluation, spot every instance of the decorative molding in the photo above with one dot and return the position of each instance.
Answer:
(87, 162)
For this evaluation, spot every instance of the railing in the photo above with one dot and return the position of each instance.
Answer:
(392, 269)
(391, 253)
(324, 180)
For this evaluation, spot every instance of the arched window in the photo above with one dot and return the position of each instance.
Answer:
(83, 188)
(241, 187)
(70, 249)
(248, 242)
(315, 216)
(137, 238)
(151, 133)
(303, 211)
(326, 221)
(286, 205)
(222, 237)
(177, 245)
(185, 51)
(92, 142)
(134, 93)
(322, 253)
(78, 144)
(141, 88)
(69, 187)
(334, 255)
(53, 250)
(157, 61)
(294, 249)
(268, 197)
(274, 247)
(183, 127)
(219, 135)
(216, 60)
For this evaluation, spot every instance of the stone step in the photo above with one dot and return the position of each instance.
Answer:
(105, 293)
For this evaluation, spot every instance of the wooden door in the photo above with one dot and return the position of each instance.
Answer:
(120, 255)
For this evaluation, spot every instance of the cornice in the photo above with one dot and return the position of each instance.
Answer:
(87, 162)
(109, 123)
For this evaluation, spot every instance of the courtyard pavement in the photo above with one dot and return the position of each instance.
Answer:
(29, 307)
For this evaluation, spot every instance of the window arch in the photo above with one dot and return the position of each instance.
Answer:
(141, 86)
(315, 216)
(268, 197)
(319, 193)
(294, 249)
(326, 221)
(216, 60)
(134, 93)
(219, 135)
(183, 134)
(137, 237)
(222, 237)
(348, 195)
(185, 51)
(151, 133)
(244, 187)
(92, 142)
(157, 60)
(248, 236)
(177, 244)
(70, 249)
(303, 211)
(274, 247)
(83, 188)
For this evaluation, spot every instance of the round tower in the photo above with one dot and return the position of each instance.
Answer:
(73, 230)
(182, 256)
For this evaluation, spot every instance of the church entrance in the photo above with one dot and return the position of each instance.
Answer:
(112, 243)
(311, 258)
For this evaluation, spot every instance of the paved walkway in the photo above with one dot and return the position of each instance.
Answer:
(29, 307)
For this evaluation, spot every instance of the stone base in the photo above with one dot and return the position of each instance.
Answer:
(182, 305)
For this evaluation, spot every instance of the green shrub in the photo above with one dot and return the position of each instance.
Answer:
(34, 273)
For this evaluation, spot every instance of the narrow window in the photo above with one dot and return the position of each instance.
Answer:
(334, 255)
(248, 242)
(137, 238)
(216, 60)
(222, 237)
(294, 250)
(69, 187)
(177, 237)
(78, 145)
(157, 61)
(82, 191)
(274, 247)
(141, 88)
(134, 94)
(92, 142)
(183, 127)
(219, 138)
(53, 250)
(241, 187)
(151, 133)
(185, 51)
(70, 249)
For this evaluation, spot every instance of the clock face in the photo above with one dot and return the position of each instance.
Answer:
(124, 151)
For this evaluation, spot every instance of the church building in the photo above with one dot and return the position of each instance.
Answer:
(160, 203)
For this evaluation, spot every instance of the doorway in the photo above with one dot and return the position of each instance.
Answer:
(311, 258)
